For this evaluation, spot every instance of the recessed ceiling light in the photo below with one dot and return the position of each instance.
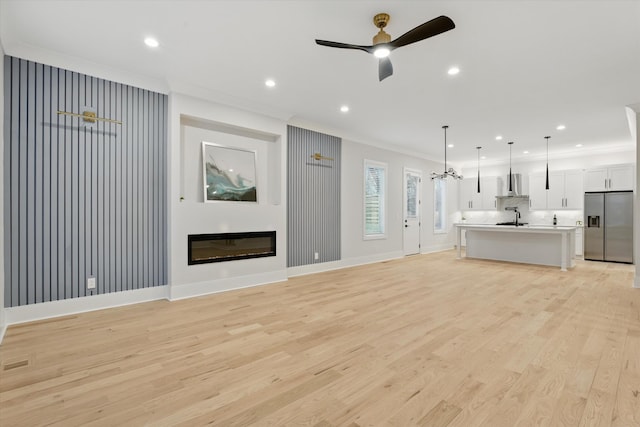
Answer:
(561, 127)
(151, 42)
(270, 83)
(344, 108)
(525, 152)
(483, 157)
(450, 145)
(578, 145)
(499, 138)
(453, 71)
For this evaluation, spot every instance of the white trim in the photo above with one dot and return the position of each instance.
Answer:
(437, 248)
(344, 263)
(3, 330)
(636, 282)
(190, 290)
(46, 310)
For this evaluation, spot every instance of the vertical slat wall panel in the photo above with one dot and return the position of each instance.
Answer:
(313, 197)
(81, 201)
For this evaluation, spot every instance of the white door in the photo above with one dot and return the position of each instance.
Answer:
(411, 222)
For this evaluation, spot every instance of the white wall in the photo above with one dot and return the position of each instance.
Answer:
(353, 245)
(2, 318)
(191, 122)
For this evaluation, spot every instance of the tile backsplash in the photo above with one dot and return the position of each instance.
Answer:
(533, 217)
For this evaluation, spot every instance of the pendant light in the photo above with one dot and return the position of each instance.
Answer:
(510, 177)
(547, 182)
(478, 148)
(447, 172)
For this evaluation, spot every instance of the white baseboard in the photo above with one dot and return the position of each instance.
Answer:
(190, 290)
(3, 330)
(46, 310)
(437, 248)
(636, 282)
(344, 263)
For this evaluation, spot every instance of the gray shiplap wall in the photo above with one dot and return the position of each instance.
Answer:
(313, 197)
(81, 201)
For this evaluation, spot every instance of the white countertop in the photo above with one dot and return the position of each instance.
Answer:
(521, 228)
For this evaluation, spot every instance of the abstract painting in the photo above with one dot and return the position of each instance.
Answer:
(229, 174)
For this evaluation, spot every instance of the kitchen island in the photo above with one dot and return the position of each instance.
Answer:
(545, 245)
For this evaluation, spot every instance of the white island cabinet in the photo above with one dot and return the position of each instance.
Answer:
(542, 245)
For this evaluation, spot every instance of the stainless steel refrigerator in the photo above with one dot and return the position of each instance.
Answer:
(608, 219)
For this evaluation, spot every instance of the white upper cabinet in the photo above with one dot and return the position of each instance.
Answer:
(489, 190)
(573, 189)
(565, 190)
(555, 194)
(612, 178)
(537, 191)
(595, 179)
(470, 199)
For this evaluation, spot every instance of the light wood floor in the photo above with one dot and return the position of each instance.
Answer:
(426, 340)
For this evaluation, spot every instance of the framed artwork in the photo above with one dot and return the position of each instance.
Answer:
(229, 174)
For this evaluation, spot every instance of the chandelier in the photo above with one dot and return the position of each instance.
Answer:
(447, 172)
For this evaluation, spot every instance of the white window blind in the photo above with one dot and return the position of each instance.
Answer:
(375, 182)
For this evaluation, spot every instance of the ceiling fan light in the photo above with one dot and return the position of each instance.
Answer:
(151, 42)
(381, 52)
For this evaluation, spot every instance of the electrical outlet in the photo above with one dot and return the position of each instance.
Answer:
(315, 256)
(91, 283)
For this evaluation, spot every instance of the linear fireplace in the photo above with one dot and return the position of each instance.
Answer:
(205, 248)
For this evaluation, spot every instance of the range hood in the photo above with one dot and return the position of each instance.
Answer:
(516, 187)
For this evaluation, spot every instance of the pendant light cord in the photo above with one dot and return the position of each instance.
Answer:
(445, 147)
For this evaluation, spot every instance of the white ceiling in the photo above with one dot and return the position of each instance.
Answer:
(526, 66)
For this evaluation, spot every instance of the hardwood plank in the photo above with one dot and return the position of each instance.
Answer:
(441, 415)
(424, 340)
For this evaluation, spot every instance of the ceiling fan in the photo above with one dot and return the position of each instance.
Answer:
(382, 44)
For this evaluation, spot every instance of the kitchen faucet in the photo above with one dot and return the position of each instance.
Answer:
(515, 210)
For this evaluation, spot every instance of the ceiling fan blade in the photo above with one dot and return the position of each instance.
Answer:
(368, 49)
(385, 69)
(429, 29)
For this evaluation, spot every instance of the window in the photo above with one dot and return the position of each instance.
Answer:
(439, 206)
(375, 184)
